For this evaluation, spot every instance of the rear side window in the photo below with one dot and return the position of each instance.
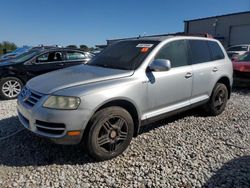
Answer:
(216, 51)
(176, 52)
(199, 51)
(74, 56)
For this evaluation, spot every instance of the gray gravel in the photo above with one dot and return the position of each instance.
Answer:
(188, 150)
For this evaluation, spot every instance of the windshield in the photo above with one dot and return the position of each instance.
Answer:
(244, 57)
(25, 56)
(126, 55)
(22, 49)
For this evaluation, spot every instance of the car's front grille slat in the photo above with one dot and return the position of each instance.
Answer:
(30, 101)
(30, 97)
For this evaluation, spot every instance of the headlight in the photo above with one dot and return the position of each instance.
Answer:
(62, 103)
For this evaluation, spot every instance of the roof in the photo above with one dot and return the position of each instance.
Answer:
(59, 49)
(139, 37)
(160, 37)
(224, 15)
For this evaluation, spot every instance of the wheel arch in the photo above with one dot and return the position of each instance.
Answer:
(225, 80)
(127, 105)
(13, 76)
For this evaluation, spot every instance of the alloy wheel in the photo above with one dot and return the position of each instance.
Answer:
(112, 134)
(220, 99)
(11, 88)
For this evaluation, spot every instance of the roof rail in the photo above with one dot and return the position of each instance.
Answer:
(206, 35)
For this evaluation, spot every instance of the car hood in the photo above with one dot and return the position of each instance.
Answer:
(74, 76)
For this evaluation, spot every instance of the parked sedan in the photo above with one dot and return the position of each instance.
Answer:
(15, 73)
(241, 68)
(236, 50)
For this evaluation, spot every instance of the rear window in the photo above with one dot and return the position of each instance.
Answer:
(199, 51)
(216, 51)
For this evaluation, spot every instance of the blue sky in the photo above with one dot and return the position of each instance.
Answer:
(91, 22)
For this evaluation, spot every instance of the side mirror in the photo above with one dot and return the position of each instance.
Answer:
(160, 65)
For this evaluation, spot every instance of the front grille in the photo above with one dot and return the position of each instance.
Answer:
(50, 128)
(30, 97)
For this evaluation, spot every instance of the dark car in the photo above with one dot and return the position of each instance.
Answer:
(15, 73)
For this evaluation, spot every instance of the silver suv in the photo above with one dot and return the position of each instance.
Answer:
(131, 83)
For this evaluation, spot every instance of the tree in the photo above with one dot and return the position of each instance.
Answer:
(91, 49)
(72, 46)
(7, 46)
(84, 47)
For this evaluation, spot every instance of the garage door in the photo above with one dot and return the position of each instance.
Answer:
(240, 35)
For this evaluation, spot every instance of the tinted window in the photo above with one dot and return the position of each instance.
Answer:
(176, 52)
(25, 56)
(238, 48)
(216, 51)
(245, 57)
(199, 51)
(49, 57)
(127, 55)
(74, 56)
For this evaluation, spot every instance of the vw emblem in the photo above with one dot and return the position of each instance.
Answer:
(26, 95)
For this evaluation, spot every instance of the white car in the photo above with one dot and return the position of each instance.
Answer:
(237, 50)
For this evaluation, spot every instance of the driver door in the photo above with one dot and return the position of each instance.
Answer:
(44, 63)
(170, 90)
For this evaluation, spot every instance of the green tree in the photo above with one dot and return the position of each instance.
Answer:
(84, 47)
(71, 46)
(91, 49)
(7, 46)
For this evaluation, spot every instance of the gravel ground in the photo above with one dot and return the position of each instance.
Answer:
(188, 150)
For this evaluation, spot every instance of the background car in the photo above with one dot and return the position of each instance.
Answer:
(241, 67)
(15, 73)
(236, 50)
(15, 53)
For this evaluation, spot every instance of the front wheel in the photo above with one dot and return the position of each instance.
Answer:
(218, 100)
(10, 87)
(110, 132)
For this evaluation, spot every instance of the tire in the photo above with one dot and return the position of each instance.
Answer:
(10, 87)
(218, 100)
(105, 138)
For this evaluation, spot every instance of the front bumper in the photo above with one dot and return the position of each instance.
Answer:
(241, 78)
(50, 123)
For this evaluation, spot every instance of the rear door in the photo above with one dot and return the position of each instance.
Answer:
(206, 63)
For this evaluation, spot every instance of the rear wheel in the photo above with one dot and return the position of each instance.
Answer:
(10, 87)
(218, 100)
(110, 133)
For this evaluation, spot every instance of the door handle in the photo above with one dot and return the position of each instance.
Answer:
(215, 69)
(188, 75)
(60, 64)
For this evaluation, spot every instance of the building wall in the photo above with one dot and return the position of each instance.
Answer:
(221, 27)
